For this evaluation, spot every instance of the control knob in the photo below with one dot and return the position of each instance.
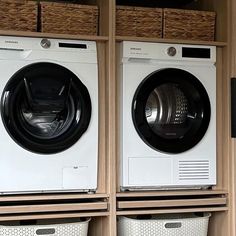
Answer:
(171, 51)
(45, 43)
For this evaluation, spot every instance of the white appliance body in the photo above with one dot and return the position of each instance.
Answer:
(143, 167)
(74, 169)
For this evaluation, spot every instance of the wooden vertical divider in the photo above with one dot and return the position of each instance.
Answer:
(232, 65)
(99, 226)
(101, 47)
(107, 20)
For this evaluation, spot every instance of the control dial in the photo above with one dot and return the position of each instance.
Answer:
(45, 43)
(171, 51)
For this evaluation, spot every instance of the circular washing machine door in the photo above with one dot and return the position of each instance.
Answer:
(45, 108)
(171, 110)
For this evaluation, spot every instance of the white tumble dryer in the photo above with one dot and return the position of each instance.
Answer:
(49, 115)
(168, 116)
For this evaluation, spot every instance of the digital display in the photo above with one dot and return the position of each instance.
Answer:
(196, 52)
(72, 45)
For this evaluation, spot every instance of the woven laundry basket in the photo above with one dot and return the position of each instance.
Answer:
(139, 21)
(69, 18)
(70, 227)
(189, 24)
(164, 225)
(18, 15)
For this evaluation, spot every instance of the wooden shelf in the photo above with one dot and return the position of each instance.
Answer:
(51, 35)
(53, 203)
(161, 40)
(172, 210)
(176, 201)
(171, 203)
(88, 206)
(49, 197)
(170, 193)
(51, 216)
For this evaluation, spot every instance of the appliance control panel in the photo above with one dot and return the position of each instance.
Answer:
(26, 48)
(170, 52)
(27, 43)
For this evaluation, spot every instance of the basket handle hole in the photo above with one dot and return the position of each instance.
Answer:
(173, 225)
(45, 231)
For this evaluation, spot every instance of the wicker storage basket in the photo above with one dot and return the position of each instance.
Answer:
(18, 15)
(69, 18)
(189, 24)
(47, 227)
(165, 225)
(138, 21)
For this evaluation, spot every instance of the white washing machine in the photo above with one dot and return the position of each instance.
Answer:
(49, 115)
(168, 116)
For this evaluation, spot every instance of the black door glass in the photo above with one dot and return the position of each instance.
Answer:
(45, 108)
(171, 110)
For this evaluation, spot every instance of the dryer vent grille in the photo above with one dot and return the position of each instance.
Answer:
(193, 170)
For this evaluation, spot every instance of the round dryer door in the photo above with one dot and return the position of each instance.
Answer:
(45, 108)
(171, 110)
